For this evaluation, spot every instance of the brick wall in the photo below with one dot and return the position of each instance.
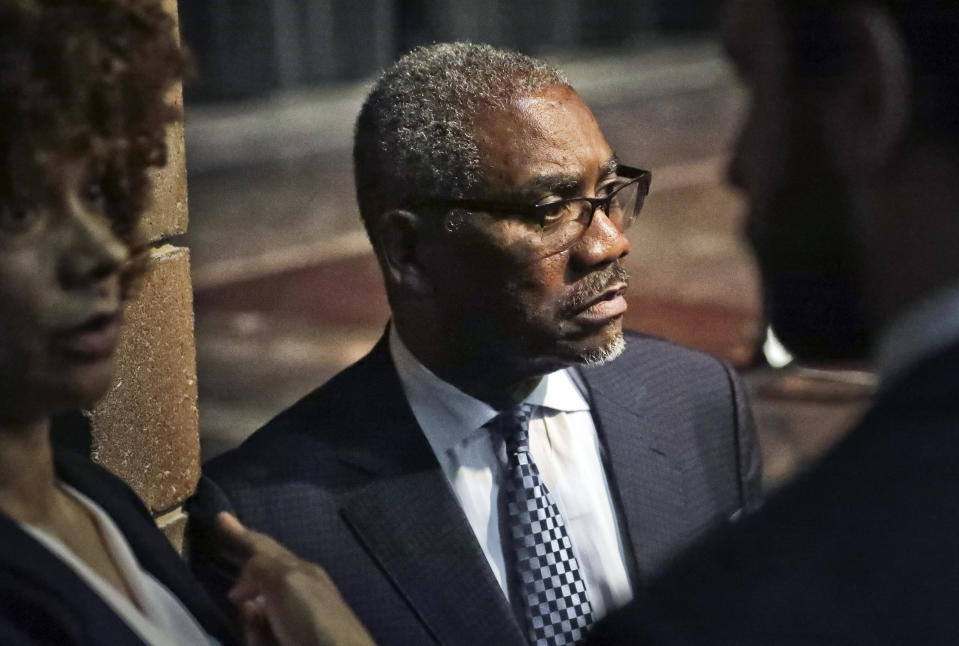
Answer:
(146, 430)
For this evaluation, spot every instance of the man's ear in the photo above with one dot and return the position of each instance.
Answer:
(868, 115)
(399, 242)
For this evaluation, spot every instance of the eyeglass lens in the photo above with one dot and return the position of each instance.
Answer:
(567, 224)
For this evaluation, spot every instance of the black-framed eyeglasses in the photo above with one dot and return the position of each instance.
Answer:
(561, 222)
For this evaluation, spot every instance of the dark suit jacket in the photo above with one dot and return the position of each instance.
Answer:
(346, 478)
(42, 600)
(862, 549)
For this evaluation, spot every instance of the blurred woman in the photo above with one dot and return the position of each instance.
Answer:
(82, 120)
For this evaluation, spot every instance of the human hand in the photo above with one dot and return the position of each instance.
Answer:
(284, 600)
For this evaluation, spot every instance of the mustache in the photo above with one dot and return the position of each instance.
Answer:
(593, 285)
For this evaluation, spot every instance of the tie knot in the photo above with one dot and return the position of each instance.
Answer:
(513, 426)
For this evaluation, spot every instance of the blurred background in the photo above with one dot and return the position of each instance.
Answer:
(286, 288)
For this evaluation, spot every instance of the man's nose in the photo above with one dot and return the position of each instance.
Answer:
(602, 242)
(92, 253)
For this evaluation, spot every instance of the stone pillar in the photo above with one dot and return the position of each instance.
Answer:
(146, 428)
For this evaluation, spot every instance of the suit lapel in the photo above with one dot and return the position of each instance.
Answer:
(407, 517)
(414, 528)
(646, 476)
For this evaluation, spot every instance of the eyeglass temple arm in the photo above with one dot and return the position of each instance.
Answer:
(490, 206)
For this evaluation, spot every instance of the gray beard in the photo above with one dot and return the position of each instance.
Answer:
(604, 354)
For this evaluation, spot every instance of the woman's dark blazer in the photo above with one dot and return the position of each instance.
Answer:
(43, 601)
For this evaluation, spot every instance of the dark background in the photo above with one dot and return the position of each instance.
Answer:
(286, 289)
(246, 48)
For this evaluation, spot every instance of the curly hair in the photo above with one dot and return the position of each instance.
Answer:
(415, 133)
(88, 78)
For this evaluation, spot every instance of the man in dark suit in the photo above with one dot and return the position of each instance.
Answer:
(850, 157)
(488, 474)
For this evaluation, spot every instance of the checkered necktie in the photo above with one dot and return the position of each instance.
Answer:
(549, 585)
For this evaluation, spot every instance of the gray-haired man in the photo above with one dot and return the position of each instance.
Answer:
(488, 474)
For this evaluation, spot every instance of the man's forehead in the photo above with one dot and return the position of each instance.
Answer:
(510, 115)
(542, 133)
(554, 95)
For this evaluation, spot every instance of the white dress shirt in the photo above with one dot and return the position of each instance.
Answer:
(163, 621)
(928, 327)
(565, 447)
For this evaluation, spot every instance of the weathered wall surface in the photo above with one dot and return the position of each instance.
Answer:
(146, 430)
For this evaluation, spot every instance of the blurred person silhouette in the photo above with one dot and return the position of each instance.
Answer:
(82, 119)
(850, 158)
(493, 424)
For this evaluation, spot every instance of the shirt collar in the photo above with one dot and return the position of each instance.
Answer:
(448, 416)
(928, 327)
(560, 391)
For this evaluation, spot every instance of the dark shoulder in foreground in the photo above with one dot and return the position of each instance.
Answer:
(860, 549)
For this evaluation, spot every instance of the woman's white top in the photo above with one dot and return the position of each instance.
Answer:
(163, 621)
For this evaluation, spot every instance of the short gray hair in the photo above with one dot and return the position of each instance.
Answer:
(415, 133)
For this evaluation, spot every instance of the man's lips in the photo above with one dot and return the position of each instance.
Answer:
(95, 339)
(609, 304)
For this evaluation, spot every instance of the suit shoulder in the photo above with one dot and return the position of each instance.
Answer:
(305, 429)
(316, 427)
(648, 352)
(655, 374)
